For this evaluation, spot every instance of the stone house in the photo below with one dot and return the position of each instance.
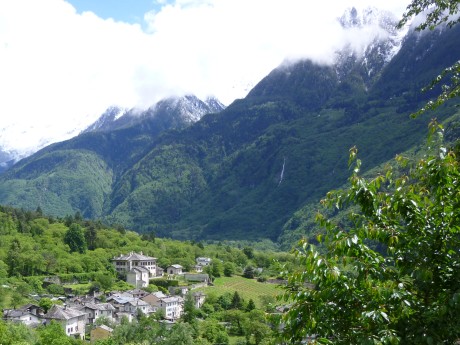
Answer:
(22, 315)
(137, 293)
(72, 320)
(129, 305)
(174, 269)
(95, 311)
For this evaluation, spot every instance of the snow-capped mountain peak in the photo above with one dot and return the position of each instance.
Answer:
(373, 41)
(187, 109)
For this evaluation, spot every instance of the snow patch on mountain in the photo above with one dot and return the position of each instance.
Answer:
(372, 40)
(188, 109)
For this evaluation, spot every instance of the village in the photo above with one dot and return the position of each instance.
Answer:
(79, 315)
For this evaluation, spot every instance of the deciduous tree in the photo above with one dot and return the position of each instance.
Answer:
(75, 238)
(394, 277)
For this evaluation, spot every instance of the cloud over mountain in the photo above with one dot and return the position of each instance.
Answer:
(61, 69)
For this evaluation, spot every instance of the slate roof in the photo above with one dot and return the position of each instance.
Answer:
(98, 306)
(138, 303)
(63, 313)
(15, 313)
(172, 299)
(107, 328)
(140, 269)
(133, 257)
(137, 292)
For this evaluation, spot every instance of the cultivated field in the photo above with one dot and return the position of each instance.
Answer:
(246, 288)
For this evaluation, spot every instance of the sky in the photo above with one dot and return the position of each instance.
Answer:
(62, 63)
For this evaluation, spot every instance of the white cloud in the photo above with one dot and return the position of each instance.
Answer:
(60, 70)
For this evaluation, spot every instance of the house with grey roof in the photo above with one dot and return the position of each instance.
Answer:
(174, 269)
(95, 311)
(203, 261)
(139, 268)
(172, 307)
(21, 316)
(72, 320)
(125, 263)
(138, 276)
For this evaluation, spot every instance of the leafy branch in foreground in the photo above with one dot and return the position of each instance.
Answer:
(449, 90)
(437, 12)
(394, 278)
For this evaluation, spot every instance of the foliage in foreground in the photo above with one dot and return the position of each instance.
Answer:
(394, 278)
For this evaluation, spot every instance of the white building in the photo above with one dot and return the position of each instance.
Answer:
(125, 263)
(72, 320)
(203, 261)
(172, 307)
(138, 276)
(22, 316)
(174, 269)
(96, 310)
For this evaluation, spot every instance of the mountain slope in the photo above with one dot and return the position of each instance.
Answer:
(242, 173)
(77, 175)
(298, 122)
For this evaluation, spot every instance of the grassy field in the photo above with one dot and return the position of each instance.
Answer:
(246, 288)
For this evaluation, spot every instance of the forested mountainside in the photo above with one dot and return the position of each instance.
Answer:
(243, 173)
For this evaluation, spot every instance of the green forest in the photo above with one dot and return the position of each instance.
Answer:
(34, 246)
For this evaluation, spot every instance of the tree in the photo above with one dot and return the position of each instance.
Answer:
(212, 331)
(75, 238)
(104, 281)
(91, 236)
(255, 329)
(16, 334)
(217, 269)
(46, 303)
(249, 252)
(181, 334)
(437, 12)
(229, 269)
(225, 300)
(13, 259)
(53, 334)
(190, 310)
(251, 305)
(249, 272)
(394, 277)
(237, 301)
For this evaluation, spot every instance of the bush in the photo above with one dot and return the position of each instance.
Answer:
(165, 283)
(55, 289)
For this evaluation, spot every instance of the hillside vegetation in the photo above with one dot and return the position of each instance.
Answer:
(243, 173)
(34, 246)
